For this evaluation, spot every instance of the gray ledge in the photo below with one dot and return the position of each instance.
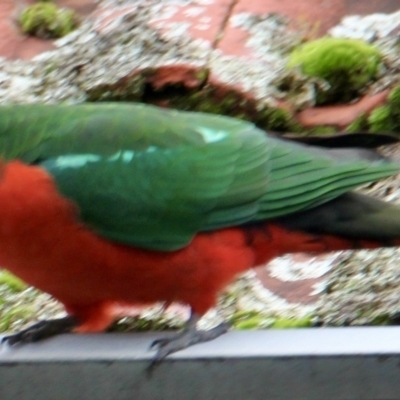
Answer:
(300, 364)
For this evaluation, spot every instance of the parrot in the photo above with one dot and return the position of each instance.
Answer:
(110, 204)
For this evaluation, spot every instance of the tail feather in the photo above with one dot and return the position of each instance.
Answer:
(353, 216)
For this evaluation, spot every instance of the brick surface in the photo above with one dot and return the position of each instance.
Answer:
(309, 15)
(341, 115)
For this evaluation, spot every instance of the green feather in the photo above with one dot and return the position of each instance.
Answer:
(154, 178)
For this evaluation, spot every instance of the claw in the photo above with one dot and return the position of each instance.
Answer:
(164, 341)
(41, 330)
(189, 337)
(158, 343)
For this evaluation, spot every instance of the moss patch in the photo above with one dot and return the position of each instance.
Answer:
(223, 102)
(346, 64)
(46, 20)
(248, 320)
(321, 130)
(380, 120)
(360, 124)
(11, 282)
(383, 119)
(386, 118)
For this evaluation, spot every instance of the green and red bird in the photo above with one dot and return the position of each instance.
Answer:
(110, 204)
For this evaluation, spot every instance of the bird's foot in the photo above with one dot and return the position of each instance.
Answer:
(42, 330)
(189, 337)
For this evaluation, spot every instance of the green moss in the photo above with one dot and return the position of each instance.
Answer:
(202, 99)
(46, 20)
(12, 315)
(276, 119)
(13, 283)
(386, 118)
(204, 103)
(244, 320)
(346, 64)
(208, 101)
(130, 89)
(394, 99)
(380, 120)
(321, 130)
(232, 104)
(249, 324)
(287, 323)
(239, 316)
(202, 75)
(10, 311)
(379, 320)
(360, 124)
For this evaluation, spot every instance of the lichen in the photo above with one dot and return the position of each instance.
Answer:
(346, 64)
(46, 20)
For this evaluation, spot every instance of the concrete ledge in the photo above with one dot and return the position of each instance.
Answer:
(302, 364)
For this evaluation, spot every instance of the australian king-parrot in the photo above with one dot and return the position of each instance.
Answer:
(108, 204)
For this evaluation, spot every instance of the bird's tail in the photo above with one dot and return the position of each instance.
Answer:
(352, 216)
(351, 221)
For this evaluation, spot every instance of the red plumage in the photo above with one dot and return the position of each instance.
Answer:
(91, 275)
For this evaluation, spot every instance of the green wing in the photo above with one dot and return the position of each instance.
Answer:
(153, 178)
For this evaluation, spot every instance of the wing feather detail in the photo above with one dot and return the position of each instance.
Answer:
(154, 178)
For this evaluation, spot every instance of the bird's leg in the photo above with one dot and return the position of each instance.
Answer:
(42, 330)
(188, 337)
